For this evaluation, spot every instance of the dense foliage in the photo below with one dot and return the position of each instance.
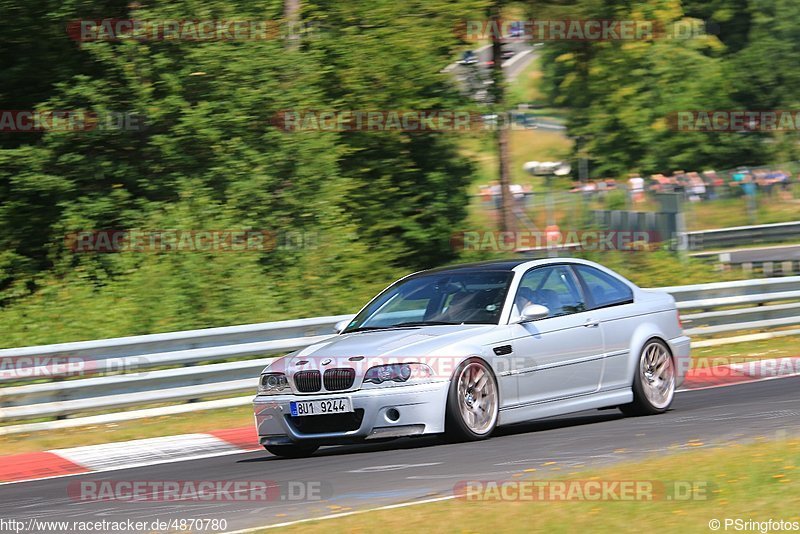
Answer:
(378, 205)
(212, 158)
(621, 94)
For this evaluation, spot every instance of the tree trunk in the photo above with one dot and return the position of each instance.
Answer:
(291, 18)
(498, 100)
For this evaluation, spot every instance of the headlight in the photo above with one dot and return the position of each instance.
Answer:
(271, 383)
(397, 372)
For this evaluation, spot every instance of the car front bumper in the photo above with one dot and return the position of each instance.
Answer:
(421, 409)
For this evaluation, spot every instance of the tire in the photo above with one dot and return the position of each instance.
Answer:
(653, 382)
(295, 450)
(472, 402)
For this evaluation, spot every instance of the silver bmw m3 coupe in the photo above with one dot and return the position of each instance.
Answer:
(461, 350)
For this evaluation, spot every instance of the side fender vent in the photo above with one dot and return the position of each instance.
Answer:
(503, 350)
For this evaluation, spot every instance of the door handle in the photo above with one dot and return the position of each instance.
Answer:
(591, 324)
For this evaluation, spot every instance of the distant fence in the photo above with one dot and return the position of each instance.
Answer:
(659, 224)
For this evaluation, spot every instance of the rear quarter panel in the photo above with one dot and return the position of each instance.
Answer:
(626, 329)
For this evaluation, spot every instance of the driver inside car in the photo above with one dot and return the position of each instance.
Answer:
(525, 297)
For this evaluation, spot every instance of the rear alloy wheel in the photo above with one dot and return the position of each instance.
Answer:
(472, 402)
(295, 450)
(654, 383)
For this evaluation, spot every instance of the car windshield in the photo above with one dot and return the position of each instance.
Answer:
(470, 297)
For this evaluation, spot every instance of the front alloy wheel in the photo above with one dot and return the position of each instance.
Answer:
(654, 383)
(472, 402)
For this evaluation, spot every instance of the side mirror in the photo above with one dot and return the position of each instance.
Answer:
(341, 325)
(533, 312)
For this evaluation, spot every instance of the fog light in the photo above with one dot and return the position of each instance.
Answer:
(392, 414)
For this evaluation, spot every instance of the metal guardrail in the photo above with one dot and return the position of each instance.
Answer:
(130, 371)
(154, 350)
(166, 368)
(770, 260)
(743, 235)
(701, 295)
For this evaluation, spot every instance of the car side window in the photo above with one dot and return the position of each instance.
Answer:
(553, 287)
(604, 289)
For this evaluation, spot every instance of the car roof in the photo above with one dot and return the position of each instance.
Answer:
(493, 265)
(512, 264)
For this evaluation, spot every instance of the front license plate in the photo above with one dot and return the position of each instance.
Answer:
(321, 407)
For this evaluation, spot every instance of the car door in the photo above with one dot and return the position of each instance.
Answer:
(611, 303)
(561, 355)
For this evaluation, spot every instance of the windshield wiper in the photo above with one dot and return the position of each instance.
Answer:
(425, 323)
(399, 325)
(365, 328)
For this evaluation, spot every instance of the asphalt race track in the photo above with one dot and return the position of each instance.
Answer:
(366, 476)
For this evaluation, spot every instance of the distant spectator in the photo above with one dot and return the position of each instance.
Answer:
(696, 187)
(680, 182)
(749, 186)
(636, 186)
(589, 189)
(740, 174)
(784, 182)
(527, 195)
(713, 183)
(517, 192)
(659, 183)
(602, 188)
(763, 181)
(485, 193)
(750, 189)
(496, 191)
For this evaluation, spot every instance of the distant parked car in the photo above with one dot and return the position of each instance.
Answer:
(516, 30)
(461, 350)
(507, 52)
(469, 58)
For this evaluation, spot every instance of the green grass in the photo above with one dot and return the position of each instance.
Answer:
(727, 212)
(524, 146)
(525, 88)
(756, 481)
(781, 347)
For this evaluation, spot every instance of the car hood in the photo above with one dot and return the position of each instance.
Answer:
(390, 345)
(412, 341)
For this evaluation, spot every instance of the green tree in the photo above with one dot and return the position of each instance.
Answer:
(623, 95)
(211, 157)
